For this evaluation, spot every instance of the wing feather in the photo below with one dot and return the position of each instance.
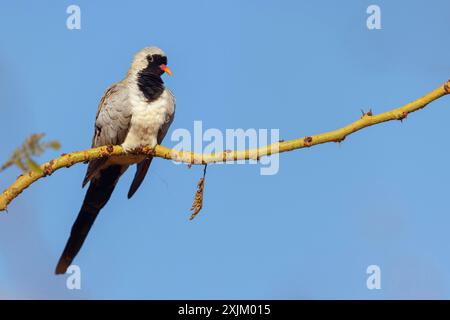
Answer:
(111, 124)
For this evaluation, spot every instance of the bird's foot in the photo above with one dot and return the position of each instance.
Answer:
(137, 150)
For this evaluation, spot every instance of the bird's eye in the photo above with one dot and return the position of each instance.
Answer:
(150, 58)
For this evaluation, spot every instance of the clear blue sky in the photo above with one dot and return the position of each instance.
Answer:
(303, 67)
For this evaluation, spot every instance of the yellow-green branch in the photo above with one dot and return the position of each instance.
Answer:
(367, 120)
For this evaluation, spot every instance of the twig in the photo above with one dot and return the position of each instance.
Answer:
(338, 135)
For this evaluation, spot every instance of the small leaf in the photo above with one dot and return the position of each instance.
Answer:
(22, 156)
(18, 162)
(6, 165)
(33, 166)
(55, 145)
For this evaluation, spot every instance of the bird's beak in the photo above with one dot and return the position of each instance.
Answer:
(166, 69)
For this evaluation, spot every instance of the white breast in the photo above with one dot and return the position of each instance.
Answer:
(147, 119)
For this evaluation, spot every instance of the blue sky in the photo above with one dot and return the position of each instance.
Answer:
(311, 230)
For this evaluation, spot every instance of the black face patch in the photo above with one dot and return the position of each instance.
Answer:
(149, 79)
(155, 60)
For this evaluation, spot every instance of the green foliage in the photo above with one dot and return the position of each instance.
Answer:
(22, 157)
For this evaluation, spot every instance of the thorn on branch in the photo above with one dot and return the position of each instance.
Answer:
(402, 116)
(368, 113)
(198, 199)
(225, 155)
(308, 141)
(48, 169)
(447, 87)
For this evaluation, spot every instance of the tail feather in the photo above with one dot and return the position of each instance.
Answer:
(97, 195)
(141, 171)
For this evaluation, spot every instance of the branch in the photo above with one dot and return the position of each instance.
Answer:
(367, 120)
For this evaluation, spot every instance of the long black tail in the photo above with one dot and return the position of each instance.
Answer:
(98, 194)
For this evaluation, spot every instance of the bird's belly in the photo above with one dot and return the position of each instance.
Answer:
(146, 121)
(144, 128)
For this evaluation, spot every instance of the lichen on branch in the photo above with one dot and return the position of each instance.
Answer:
(367, 119)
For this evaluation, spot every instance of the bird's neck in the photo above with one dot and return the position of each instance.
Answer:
(150, 84)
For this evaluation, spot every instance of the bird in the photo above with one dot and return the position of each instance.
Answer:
(133, 113)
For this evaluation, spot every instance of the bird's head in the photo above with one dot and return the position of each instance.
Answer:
(150, 60)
